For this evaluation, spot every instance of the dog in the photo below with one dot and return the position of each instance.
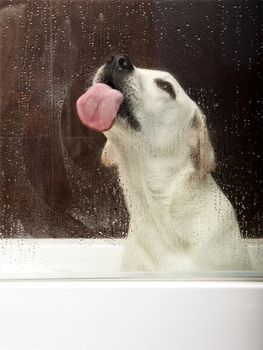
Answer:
(180, 220)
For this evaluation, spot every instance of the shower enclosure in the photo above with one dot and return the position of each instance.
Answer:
(63, 217)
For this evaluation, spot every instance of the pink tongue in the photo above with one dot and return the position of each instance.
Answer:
(98, 106)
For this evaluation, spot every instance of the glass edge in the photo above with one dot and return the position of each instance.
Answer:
(221, 276)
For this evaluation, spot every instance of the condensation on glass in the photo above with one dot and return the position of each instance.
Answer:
(52, 181)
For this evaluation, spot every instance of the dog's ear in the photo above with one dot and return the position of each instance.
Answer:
(107, 155)
(202, 152)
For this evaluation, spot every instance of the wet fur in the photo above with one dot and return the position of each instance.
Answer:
(179, 217)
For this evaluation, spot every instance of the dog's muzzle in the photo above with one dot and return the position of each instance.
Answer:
(116, 73)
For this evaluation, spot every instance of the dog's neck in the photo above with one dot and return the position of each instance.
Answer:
(155, 185)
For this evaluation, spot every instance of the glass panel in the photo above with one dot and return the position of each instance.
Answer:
(53, 184)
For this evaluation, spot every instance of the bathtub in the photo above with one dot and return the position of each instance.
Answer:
(71, 258)
(67, 294)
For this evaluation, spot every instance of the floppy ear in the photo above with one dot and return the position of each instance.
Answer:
(107, 155)
(202, 152)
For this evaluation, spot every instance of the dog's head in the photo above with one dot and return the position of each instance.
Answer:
(156, 113)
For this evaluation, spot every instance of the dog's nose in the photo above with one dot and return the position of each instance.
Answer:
(120, 63)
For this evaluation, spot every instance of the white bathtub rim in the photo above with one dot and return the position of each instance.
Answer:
(56, 259)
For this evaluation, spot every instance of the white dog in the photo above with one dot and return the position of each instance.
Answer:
(179, 217)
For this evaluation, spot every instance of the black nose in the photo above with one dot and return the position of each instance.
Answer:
(120, 63)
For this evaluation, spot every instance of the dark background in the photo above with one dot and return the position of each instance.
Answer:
(52, 183)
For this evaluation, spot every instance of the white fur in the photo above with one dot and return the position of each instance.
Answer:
(179, 217)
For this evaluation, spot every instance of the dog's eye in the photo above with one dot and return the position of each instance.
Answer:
(166, 86)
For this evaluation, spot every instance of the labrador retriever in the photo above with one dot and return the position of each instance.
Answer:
(180, 220)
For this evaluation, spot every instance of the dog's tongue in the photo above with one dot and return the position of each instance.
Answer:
(98, 107)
